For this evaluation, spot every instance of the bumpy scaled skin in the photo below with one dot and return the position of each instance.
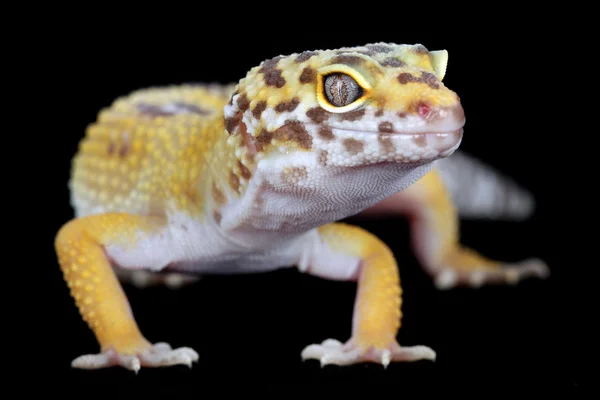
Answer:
(196, 179)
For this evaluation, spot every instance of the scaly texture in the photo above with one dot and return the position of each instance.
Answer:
(250, 178)
(153, 152)
(93, 285)
(99, 296)
(281, 106)
(378, 301)
(377, 307)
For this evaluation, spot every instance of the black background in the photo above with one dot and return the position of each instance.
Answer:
(249, 330)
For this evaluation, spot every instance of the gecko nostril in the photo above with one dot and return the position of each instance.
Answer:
(423, 110)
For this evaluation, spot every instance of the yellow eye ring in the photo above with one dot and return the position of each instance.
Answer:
(340, 69)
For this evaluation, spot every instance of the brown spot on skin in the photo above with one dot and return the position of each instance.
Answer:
(379, 48)
(124, 149)
(430, 79)
(193, 195)
(232, 96)
(402, 114)
(270, 64)
(426, 77)
(169, 109)
(259, 108)
(232, 122)
(354, 146)
(322, 159)
(287, 106)
(326, 133)
(234, 181)
(420, 49)
(392, 62)
(264, 138)
(111, 148)
(318, 114)
(217, 217)
(274, 78)
(386, 127)
(405, 77)
(305, 56)
(249, 141)
(181, 107)
(217, 194)
(379, 113)
(353, 115)
(367, 52)
(243, 102)
(308, 75)
(272, 75)
(296, 132)
(245, 172)
(386, 143)
(420, 140)
(293, 175)
(348, 59)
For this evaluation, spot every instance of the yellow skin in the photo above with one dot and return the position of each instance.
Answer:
(252, 177)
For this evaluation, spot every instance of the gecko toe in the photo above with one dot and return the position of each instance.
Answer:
(333, 352)
(477, 276)
(159, 355)
(446, 279)
(184, 355)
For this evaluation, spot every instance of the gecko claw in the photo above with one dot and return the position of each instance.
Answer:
(386, 357)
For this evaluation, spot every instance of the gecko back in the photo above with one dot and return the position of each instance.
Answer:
(147, 148)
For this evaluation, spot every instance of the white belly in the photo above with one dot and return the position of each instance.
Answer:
(187, 245)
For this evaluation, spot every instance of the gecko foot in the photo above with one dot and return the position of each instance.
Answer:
(334, 352)
(159, 355)
(450, 277)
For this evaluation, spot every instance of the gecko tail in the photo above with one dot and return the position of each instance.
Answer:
(481, 192)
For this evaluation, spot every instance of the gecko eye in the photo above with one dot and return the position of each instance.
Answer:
(341, 89)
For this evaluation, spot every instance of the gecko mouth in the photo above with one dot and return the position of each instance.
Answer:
(434, 140)
(354, 147)
(438, 128)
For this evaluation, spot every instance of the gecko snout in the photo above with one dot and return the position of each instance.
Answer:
(441, 119)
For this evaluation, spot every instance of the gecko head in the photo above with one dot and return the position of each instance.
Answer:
(379, 103)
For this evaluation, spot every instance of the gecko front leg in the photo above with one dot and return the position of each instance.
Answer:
(346, 252)
(80, 246)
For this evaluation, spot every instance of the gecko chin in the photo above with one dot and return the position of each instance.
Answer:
(355, 148)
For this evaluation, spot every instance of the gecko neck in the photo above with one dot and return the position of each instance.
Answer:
(283, 201)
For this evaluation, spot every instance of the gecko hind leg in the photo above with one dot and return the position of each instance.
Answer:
(100, 298)
(465, 266)
(347, 252)
(436, 240)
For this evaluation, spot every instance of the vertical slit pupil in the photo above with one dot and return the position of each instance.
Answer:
(341, 89)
